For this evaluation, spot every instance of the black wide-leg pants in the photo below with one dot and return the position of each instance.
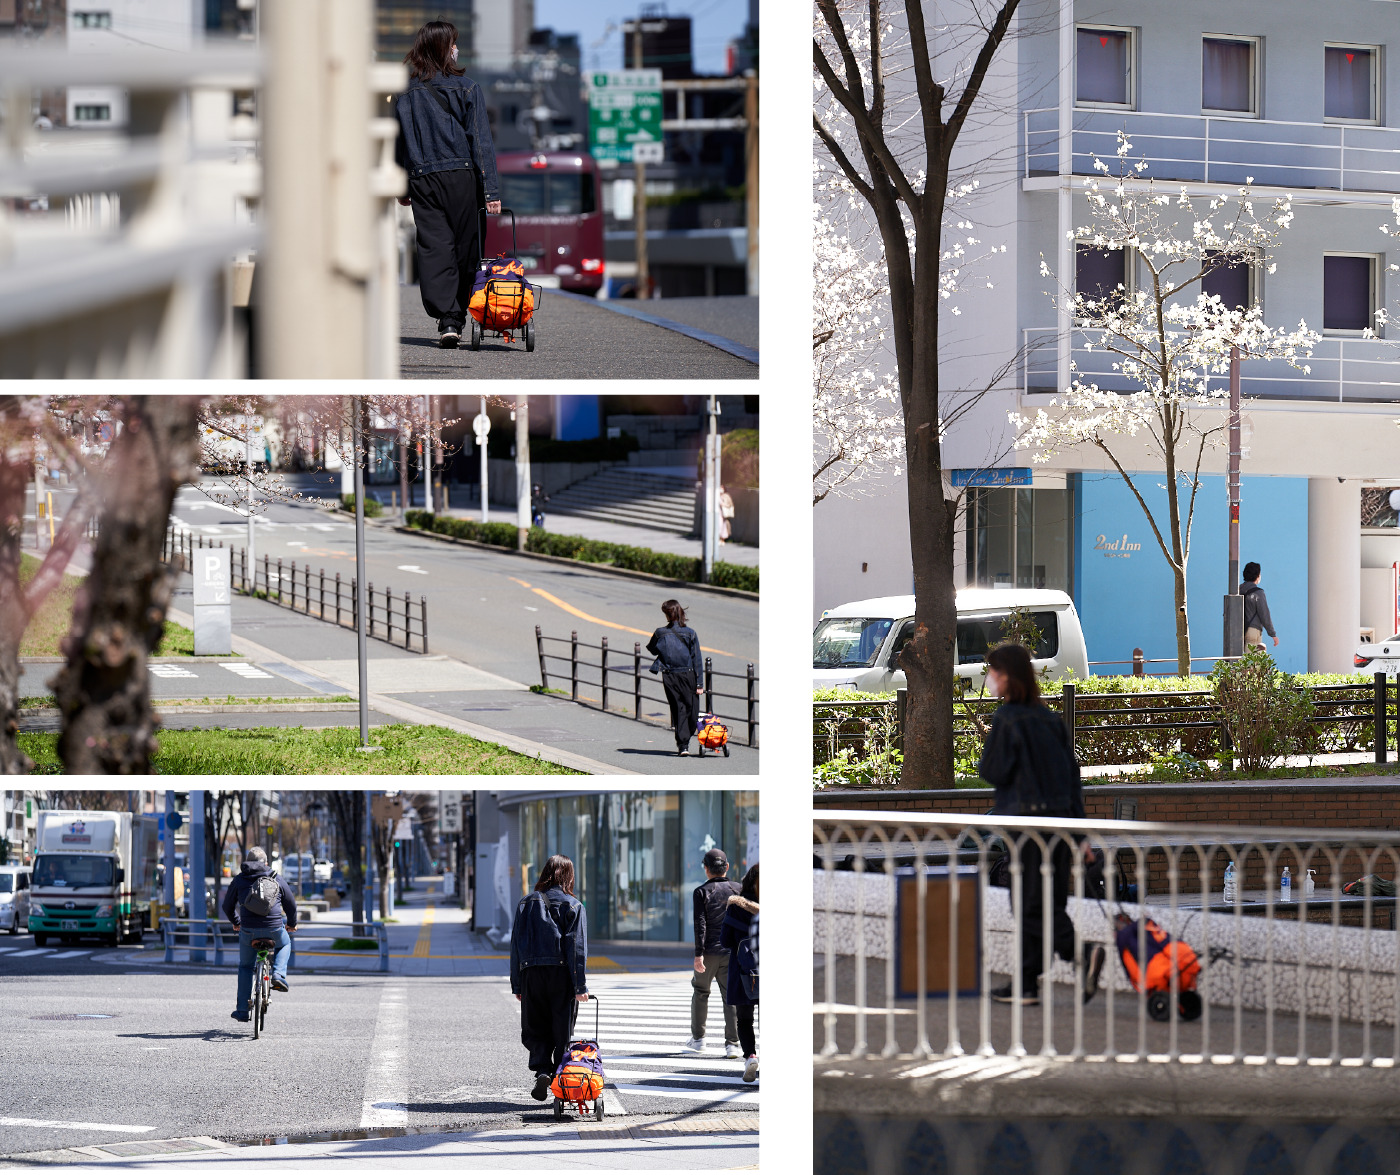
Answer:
(684, 703)
(445, 214)
(547, 1013)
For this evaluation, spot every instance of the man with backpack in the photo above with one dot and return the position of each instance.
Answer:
(259, 905)
(710, 899)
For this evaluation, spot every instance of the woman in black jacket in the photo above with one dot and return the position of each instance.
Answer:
(548, 952)
(445, 146)
(741, 987)
(677, 652)
(1029, 759)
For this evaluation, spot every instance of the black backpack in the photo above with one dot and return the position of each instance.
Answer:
(263, 896)
(746, 960)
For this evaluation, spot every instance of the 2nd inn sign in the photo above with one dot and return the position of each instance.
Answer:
(1119, 548)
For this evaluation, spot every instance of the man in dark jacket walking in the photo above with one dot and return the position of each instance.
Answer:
(1257, 620)
(710, 900)
(260, 905)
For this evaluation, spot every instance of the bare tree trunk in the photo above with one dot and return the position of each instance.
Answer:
(348, 812)
(14, 615)
(103, 694)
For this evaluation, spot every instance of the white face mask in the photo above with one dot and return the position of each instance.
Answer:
(454, 52)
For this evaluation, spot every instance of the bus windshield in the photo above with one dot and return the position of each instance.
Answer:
(562, 193)
(73, 870)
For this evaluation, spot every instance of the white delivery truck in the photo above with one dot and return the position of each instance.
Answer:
(94, 876)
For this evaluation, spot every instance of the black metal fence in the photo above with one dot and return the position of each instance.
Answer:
(620, 672)
(397, 619)
(1125, 728)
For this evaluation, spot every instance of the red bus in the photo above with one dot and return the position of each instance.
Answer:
(559, 217)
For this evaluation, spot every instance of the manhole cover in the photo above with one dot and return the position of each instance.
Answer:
(78, 1016)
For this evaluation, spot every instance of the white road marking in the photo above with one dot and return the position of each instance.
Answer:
(71, 954)
(386, 1083)
(75, 1125)
(243, 669)
(413, 567)
(530, 609)
(673, 1078)
(165, 669)
(712, 1097)
(35, 951)
(7, 950)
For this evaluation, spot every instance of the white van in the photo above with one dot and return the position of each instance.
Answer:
(855, 645)
(14, 898)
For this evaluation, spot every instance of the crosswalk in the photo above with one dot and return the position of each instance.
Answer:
(51, 952)
(645, 1019)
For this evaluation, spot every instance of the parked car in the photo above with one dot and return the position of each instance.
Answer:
(1379, 656)
(294, 868)
(856, 644)
(14, 898)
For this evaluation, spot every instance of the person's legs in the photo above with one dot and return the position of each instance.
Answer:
(284, 953)
(246, 958)
(676, 692)
(563, 1013)
(692, 706)
(462, 211)
(721, 965)
(700, 998)
(536, 1015)
(1062, 859)
(748, 1041)
(436, 221)
(1032, 917)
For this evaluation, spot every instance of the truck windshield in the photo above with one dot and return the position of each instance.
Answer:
(73, 870)
(842, 642)
(7, 883)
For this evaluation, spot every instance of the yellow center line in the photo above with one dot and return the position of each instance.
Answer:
(422, 949)
(572, 611)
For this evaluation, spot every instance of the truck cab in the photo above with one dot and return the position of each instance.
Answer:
(93, 876)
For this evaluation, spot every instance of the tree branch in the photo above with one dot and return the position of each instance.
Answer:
(1152, 522)
(842, 161)
(995, 35)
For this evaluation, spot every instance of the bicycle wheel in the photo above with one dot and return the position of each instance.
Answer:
(259, 995)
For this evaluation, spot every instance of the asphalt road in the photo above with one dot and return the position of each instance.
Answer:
(574, 339)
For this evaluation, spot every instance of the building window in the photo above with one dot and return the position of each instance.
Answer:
(94, 112)
(1099, 272)
(1350, 83)
(92, 20)
(1018, 538)
(1349, 293)
(1231, 282)
(1103, 67)
(1229, 75)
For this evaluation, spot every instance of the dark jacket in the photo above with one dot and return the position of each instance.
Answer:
(550, 930)
(240, 885)
(1256, 608)
(710, 899)
(432, 140)
(676, 649)
(1029, 760)
(739, 914)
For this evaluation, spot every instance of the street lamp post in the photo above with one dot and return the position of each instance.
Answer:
(360, 438)
(1233, 643)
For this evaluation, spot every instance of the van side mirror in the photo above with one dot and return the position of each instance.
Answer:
(121, 874)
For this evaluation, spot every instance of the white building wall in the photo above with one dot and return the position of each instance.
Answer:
(136, 25)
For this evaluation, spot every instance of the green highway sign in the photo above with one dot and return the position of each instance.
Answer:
(624, 115)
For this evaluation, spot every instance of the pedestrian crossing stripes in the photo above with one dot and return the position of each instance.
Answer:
(244, 670)
(166, 669)
(49, 951)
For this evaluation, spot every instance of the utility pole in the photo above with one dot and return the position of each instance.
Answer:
(485, 469)
(522, 472)
(710, 490)
(1233, 645)
(360, 455)
(435, 426)
(639, 199)
(251, 566)
(425, 458)
(751, 179)
(167, 856)
(199, 911)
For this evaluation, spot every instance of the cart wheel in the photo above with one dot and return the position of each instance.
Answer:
(1189, 1005)
(558, 1107)
(1159, 1005)
(476, 336)
(598, 1109)
(726, 750)
(529, 336)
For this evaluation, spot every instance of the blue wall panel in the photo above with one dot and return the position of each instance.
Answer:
(1123, 587)
(579, 418)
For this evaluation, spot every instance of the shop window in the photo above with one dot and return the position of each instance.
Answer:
(1018, 538)
(1349, 301)
(1103, 67)
(92, 112)
(1229, 75)
(92, 20)
(1350, 82)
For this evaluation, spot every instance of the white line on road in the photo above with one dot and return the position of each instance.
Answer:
(71, 954)
(386, 1084)
(7, 950)
(75, 1125)
(243, 669)
(34, 951)
(413, 567)
(694, 1095)
(165, 669)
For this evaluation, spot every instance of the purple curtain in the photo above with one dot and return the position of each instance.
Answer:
(1346, 293)
(1225, 75)
(1348, 83)
(1101, 66)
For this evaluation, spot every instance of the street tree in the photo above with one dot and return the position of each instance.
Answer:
(347, 810)
(1170, 344)
(895, 148)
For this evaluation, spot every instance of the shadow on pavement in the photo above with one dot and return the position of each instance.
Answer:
(471, 1108)
(213, 1035)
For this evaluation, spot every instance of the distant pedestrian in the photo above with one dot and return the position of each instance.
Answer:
(548, 953)
(1029, 759)
(445, 146)
(1257, 620)
(677, 652)
(740, 938)
(710, 900)
(726, 515)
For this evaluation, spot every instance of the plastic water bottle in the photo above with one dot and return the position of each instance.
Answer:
(1285, 889)
(1230, 882)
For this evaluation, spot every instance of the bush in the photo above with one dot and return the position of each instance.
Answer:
(372, 507)
(739, 458)
(1267, 716)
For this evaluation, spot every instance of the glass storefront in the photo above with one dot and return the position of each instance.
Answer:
(637, 855)
(1019, 538)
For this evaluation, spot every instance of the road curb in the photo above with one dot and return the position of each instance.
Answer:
(424, 717)
(261, 708)
(737, 593)
(719, 342)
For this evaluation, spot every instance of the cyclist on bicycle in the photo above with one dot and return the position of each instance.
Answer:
(261, 906)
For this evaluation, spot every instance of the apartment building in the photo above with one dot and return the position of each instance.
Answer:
(1304, 100)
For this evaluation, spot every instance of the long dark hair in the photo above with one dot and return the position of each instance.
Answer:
(675, 614)
(432, 52)
(748, 888)
(1013, 662)
(558, 870)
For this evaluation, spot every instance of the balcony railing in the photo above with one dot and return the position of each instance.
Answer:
(917, 917)
(1341, 370)
(1203, 149)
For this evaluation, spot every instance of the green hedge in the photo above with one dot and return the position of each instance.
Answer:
(373, 509)
(572, 546)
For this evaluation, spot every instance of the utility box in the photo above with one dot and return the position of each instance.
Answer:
(213, 602)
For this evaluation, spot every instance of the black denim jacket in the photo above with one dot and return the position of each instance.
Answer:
(431, 140)
(550, 930)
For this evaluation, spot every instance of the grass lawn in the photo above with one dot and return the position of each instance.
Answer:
(51, 623)
(268, 750)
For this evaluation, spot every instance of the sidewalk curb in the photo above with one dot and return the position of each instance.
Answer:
(425, 717)
(607, 568)
(261, 708)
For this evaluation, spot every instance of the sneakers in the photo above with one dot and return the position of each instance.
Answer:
(279, 983)
(732, 1052)
(448, 335)
(696, 1044)
(241, 1017)
(682, 750)
(1093, 969)
(541, 1090)
(751, 1068)
(1030, 997)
